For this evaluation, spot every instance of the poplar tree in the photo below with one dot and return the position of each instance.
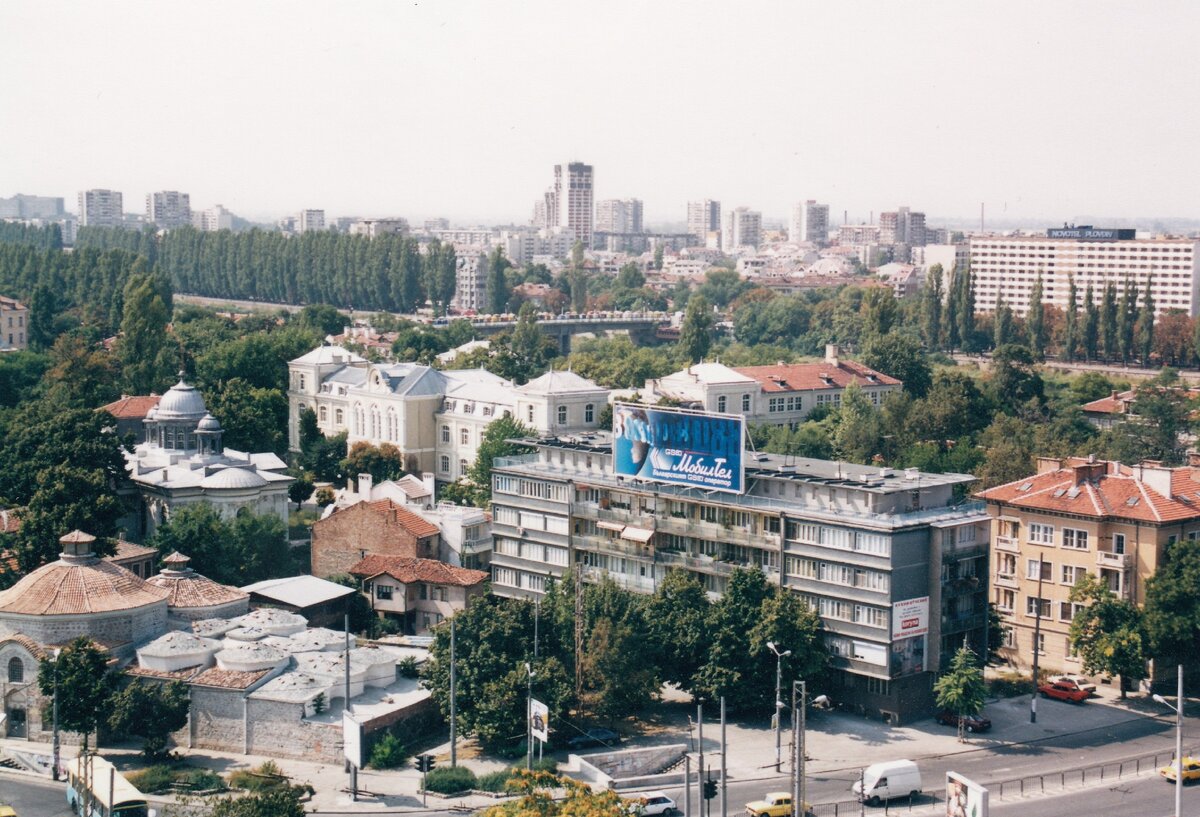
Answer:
(966, 312)
(1126, 317)
(1071, 331)
(1001, 323)
(498, 292)
(146, 357)
(1108, 320)
(931, 307)
(952, 337)
(1146, 324)
(1036, 320)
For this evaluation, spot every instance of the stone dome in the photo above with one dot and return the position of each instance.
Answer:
(194, 594)
(233, 478)
(273, 620)
(250, 657)
(181, 402)
(208, 423)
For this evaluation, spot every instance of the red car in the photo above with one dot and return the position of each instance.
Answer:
(1064, 691)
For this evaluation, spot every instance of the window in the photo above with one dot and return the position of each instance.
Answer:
(16, 670)
(464, 436)
(1039, 640)
(339, 417)
(445, 469)
(445, 434)
(1007, 600)
(301, 376)
(1010, 637)
(1075, 539)
(1067, 610)
(324, 414)
(529, 414)
(1071, 573)
(1007, 565)
(562, 415)
(589, 413)
(1031, 570)
(745, 402)
(1118, 543)
(1041, 534)
(1031, 606)
(462, 468)
(383, 591)
(877, 686)
(424, 594)
(721, 403)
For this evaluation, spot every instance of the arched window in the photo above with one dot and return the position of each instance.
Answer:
(445, 434)
(339, 417)
(562, 415)
(324, 414)
(360, 423)
(464, 436)
(16, 670)
(375, 428)
(462, 468)
(445, 465)
(392, 432)
(589, 413)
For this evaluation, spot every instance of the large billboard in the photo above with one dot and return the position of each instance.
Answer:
(539, 720)
(688, 448)
(910, 617)
(964, 797)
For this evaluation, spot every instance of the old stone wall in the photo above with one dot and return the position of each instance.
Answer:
(217, 720)
(341, 541)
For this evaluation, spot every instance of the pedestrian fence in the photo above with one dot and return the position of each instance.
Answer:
(933, 800)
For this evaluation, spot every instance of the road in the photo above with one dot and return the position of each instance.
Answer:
(1050, 755)
(32, 797)
(1144, 797)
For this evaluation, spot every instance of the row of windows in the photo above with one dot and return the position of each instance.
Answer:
(508, 577)
(776, 404)
(878, 544)
(534, 551)
(1072, 538)
(536, 489)
(838, 574)
(723, 402)
(425, 592)
(863, 614)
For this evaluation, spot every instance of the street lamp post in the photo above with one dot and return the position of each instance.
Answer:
(1178, 710)
(779, 656)
(529, 717)
(1037, 637)
(55, 761)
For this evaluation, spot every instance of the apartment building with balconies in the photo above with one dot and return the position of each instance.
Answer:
(1077, 516)
(895, 566)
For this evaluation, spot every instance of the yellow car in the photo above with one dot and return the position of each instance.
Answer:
(1191, 770)
(775, 804)
(7, 811)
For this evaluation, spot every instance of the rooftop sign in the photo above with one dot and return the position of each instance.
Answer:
(1092, 233)
(687, 448)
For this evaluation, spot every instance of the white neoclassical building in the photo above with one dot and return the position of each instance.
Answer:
(183, 461)
(436, 418)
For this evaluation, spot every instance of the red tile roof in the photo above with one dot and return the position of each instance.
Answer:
(28, 643)
(227, 678)
(133, 407)
(165, 675)
(1115, 403)
(78, 586)
(408, 570)
(1106, 490)
(10, 520)
(416, 525)
(815, 376)
(130, 550)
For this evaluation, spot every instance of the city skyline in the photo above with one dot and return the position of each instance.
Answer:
(265, 145)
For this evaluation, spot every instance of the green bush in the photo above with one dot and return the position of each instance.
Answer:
(546, 764)
(202, 779)
(266, 777)
(450, 780)
(387, 753)
(1009, 685)
(493, 781)
(152, 779)
(407, 667)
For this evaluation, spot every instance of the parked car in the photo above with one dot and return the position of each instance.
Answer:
(884, 781)
(971, 723)
(1080, 681)
(653, 803)
(1191, 770)
(594, 737)
(1064, 691)
(774, 804)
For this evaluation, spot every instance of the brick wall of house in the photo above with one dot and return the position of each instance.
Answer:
(343, 539)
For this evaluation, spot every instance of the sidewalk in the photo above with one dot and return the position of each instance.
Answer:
(835, 741)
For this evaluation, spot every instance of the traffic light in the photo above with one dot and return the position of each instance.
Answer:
(710, 789)
(425, 763)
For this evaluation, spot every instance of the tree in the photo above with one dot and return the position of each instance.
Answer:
(382, 462)
(695, 335)
(880, 311)
(1001, 323)
(1173, 334)
(1145, 324)
(1035, 320)
(1172, 612)
(899, 355)
(1013, 381)
(931, 307)
(43, 306)
(618, 678)
(300, 490)
(995, 635)
(951, 317)
(677, 620)
(84, 685)
(67, 499)
(1108, 320)
(147, 360)
(1108, 633)
(495, 443)
(658, 255)
(1071, 331)
(81, 375)
(722, 287)
(498, 290)
(252, 418)
(322, 319)
(630, 276)
(859, 432)
(283, 801)
(1091, 326)
(966, 311)
(961, 689)
(1126, 318)
(240, 551)
(537, 797)
(150, 711)
(21, 375)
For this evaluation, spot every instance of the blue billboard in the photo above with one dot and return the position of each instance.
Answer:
(681, 447)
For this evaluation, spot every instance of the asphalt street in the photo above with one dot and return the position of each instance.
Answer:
(1145, 797)
(31, 797)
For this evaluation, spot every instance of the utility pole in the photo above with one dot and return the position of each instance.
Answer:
(537, 614)
(56, 760)
(779, 656)
(1178, 709)
(700, 750)
(1037, 637)
(346, 661)
(801, 782)
(724, 787)
(453, 701)
(529, 718)
(687, 785)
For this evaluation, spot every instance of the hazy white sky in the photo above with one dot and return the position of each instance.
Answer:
(1050, 109)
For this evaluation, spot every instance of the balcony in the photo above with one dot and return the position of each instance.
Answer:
(959, 623)
(1006, 580)
(1008, 544)
(1114, 561)
(638, 584)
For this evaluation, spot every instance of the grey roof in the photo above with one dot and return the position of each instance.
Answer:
(351, 375)
(181, 402)
(299, 591)
(329, 354)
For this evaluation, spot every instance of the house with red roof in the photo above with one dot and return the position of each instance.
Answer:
(380, 527)
(130, 413)
(1075, 516)
(421, 593)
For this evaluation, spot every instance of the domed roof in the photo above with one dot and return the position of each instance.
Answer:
(188, 589)
(233, 478)
(178, 643)
(78, 584)
(181, 402)
(208, 423)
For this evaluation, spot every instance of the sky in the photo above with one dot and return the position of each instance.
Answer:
(1039, 110)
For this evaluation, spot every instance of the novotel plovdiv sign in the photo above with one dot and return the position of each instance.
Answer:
(1092, 233)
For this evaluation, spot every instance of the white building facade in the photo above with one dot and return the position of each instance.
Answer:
(809, 223)
(168, 208)
(101, 208)
(743, 228)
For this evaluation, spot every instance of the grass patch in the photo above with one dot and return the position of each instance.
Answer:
(266, 777)
(161, 777)
(450, 780)
(494, 781)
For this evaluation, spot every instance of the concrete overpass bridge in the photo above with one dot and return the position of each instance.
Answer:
(642, 327)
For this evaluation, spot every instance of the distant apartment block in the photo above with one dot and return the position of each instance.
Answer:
(22, 206)
(101, 208)
(213, 219)
(851, 235)
(467, 236)
(432, 224)
(743, 228)
(703, 219)
(809, 223)
(14, 325)
(953, 258)
(522, 246)
(902, 226)
(309, 220)
(168, 208)
(619, 216)
(372, 227)
(575, 181)
(470, 287)
(1009, 266)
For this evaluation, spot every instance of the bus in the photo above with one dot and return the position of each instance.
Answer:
(93, 779)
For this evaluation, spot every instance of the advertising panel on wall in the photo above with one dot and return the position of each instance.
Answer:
(964, 797)
(910, 617)
(352, 740)
(680, 447)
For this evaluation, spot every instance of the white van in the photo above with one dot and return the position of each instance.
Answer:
(884, 781)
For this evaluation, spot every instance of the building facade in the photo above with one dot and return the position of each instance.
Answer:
(168, 208)
(1077, 516)
(23, 207)
(372, 227)
(307, 220)
(742, 228)
(619, 216)
(420, 593)
(878, 554)
(379, 527)
(213, 219)
(14, 325)
(809, 223)
(902, 226)
(470, 287)
(703, 219)
(574, 183)
(1009, 266)
(101, 208)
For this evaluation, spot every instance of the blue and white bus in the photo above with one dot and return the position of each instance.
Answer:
(94, 780)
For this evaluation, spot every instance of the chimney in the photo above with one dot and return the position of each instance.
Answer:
(365, 483)
(430, 484)
(1152, 474)
(831, 354)
(1193, 459)
(1047, 464)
